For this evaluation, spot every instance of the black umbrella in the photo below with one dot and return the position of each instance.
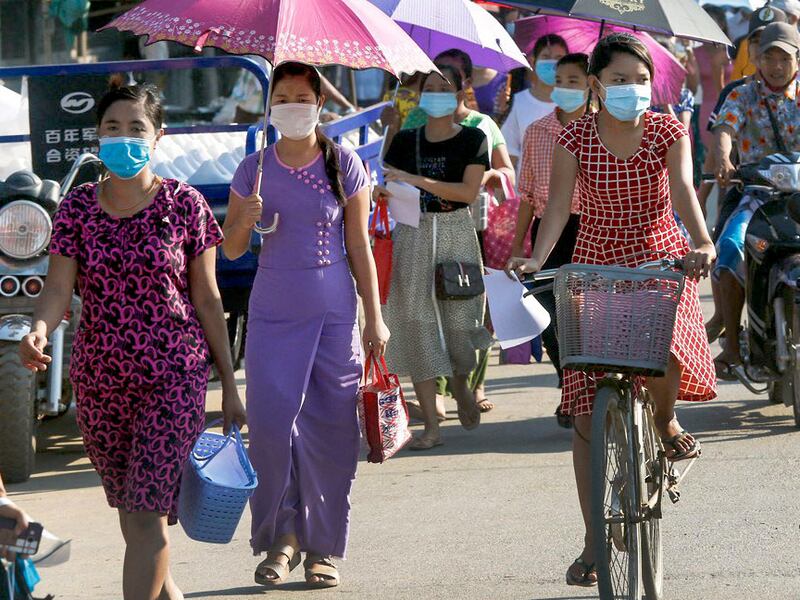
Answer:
(681, 18)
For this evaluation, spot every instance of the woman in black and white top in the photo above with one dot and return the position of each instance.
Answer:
(434, 338)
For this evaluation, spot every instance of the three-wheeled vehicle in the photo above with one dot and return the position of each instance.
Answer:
(62, 150)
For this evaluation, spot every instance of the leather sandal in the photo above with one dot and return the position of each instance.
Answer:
(694, 450)
(588, 576)
(323, 569)
(271, 572)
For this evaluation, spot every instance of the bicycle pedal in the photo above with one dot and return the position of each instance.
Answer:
(674, 495)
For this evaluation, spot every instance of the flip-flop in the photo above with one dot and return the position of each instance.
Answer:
(485, 405)
(424, 443)
(584, 580)
(724, 370)
(694, 450)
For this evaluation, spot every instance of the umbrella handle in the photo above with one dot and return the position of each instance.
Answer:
(276, 218)
(257, 186)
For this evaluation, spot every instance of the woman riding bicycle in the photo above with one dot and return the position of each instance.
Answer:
(632, 166)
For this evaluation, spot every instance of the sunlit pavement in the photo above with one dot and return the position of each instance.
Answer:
(490, 515)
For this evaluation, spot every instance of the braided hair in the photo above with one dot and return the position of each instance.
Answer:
(330, 154)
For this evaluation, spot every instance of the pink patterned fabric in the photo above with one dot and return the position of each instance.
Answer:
(537, 162)
(353, 33)
(499, 235)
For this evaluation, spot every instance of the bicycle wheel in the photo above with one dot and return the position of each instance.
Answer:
(615, 498)
(653, 466)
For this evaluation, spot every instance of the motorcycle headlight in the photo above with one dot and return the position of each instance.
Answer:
(784, 177)
(25, 229)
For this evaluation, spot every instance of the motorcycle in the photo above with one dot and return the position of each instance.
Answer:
(27, 207)
(770, 343)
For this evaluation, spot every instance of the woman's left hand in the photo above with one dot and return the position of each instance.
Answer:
(376, 336)
(233, 410)
(697, 263)
(392, 174)
(493, 178)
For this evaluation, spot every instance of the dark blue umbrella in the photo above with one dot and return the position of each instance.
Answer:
(681, 18)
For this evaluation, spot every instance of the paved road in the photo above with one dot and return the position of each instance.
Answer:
(491, 515)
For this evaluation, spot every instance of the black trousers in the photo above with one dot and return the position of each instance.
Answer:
(561, 255)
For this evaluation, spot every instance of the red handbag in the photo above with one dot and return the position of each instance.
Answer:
(382, 247)
(382, 412)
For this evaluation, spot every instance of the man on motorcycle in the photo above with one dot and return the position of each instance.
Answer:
(763, 116)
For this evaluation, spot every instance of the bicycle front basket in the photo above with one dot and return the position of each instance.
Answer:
(616, 319)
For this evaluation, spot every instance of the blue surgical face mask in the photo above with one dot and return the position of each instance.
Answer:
(546, 71)
(125, 157)
(627, 102)
(569, 100)
(438, 104)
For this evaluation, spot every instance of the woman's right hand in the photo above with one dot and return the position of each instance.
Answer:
(725, 171)
(520, 265)
(248, 212)
(31, 352)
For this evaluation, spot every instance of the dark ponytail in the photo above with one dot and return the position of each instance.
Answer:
(332, 166)
(329, 150)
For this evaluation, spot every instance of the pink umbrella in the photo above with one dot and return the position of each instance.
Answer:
(353, 33)
(582, 36)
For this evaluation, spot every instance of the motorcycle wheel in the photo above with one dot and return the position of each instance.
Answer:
(788, 388)
(17, 416)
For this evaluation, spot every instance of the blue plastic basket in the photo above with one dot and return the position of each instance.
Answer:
(208, 510)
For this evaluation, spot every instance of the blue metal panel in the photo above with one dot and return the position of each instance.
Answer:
(238, 273)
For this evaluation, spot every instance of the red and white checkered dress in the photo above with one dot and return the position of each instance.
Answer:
(627, 219)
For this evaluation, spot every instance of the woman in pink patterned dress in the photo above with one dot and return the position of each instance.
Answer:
(631, 166)
(142, 251)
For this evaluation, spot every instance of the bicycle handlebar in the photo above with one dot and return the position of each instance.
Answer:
(662, 264)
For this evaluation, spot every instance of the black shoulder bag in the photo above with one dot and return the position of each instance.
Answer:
(454, 280)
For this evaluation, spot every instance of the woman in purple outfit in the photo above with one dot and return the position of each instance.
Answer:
(142, 250)
(303, 355)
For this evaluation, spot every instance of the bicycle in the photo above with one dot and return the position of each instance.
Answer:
(619, 321)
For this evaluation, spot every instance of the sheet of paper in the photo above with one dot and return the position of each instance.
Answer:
(404, 203)
(516, 319)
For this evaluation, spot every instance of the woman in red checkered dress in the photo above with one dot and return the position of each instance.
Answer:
(631, 166)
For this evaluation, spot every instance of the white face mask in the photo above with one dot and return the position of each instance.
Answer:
(295, 121)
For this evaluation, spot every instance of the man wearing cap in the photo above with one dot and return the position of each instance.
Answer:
(763, 116)
(730, 199)
(745, 62)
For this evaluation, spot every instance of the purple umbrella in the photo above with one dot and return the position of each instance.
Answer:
(582, 36)
(439, 25)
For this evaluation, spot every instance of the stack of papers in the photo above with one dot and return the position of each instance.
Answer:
(404, 203)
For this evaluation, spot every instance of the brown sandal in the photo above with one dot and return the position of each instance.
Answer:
(271, 566)
(323, 569)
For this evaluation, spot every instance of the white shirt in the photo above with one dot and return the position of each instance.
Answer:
(525, 110)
